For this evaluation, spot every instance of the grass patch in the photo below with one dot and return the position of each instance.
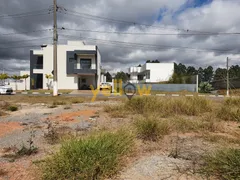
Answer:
(232, 102)
(191, 106)
(12, 108)
(77, 101)
(223, 164)
(229, 113)
(150, 129)
(56, 103)
(116, 111)
(94, 157)
(40, 99)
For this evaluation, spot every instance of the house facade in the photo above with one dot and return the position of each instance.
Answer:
(79, 66)
(151, 72)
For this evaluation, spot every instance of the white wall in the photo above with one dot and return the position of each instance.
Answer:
(160, 71)
(64, 81)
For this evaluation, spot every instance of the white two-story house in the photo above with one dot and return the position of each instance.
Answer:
(79, 66)
(151, 72)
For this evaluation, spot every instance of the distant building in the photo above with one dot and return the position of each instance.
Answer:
(151, 72)
(79, 66)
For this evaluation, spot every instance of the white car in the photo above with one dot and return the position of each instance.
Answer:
(6, 90)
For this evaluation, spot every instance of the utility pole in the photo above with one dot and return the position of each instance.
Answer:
(55, 40)
(227, 77)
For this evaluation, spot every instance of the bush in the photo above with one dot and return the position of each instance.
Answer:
(151, 129)
(223, 164)
(94, 157)
(232, 102)
(56, 103)
(205, 87)
(117, 111)
(228, 113)
(77, 101)
(12, 108)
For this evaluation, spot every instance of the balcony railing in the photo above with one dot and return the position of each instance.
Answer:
(38, 66)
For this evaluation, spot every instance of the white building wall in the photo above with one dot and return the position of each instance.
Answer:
(160, 72)
(64, 81)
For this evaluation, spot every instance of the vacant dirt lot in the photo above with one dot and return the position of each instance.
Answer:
(188, 130)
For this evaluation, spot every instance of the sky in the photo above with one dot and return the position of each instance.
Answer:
(193, 32)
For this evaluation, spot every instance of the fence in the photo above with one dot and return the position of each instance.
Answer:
(162, 87)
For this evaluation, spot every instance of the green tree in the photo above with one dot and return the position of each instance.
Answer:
(200, 75)
(234, 71)
(3, 77)
(191, 71)
(108, 77)
(25, 76)
(220, 74)
(16, 78)
(123, 76)
(208, 74)
(180, 69)
(48, 77)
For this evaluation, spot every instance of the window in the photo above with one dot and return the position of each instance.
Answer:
(148, 75)
(85, 63)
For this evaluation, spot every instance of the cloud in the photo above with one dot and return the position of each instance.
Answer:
(165, 16)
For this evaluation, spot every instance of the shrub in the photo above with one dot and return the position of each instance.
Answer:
(205, 87)
(52, 106)
(56, 103)
(223, 164)
(151, 129)
(77, 101)
(12, 108)
(228, 113)
(232, 102)
(94, 157)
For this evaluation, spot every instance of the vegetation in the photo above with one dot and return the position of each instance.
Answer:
(16, 78)
(223, 164)
(205, 87)
(151, 129)
(12, 108)
(230, 110)
(94, 157)
(3, 77)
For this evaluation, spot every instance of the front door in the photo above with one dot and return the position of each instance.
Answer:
(82, 83)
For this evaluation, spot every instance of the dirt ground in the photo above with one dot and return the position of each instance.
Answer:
(151, 160)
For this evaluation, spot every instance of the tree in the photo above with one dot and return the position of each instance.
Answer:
(234, 71)
(48, 76)
(123, 76)
(3, 77)
(25, 76)
(208, 74)
(148, 61)
(16, 78)
(180, 69)
(200, 75)
(220, 74)
(191, 70)
(108, 77)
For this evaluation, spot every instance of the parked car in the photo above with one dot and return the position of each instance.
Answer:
(6, 90)
(105, 86)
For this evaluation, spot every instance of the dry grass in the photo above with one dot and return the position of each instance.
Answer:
(116, 111)
(41, 99)
(166, 107)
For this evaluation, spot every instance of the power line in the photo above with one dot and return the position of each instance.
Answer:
(101, 18)
(31, 13)
(10, 42)
(149, 45)
(19, 47)
(160, 34)
(41, 30)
